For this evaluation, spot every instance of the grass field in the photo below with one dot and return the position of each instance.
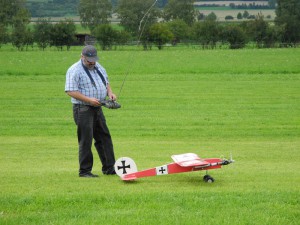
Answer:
(210, 102)
(222, 12)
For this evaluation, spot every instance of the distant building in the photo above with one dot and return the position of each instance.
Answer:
(85, 39)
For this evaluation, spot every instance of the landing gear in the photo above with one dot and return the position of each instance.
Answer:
(208, 179)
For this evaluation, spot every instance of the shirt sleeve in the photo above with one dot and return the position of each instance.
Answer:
(72, 80)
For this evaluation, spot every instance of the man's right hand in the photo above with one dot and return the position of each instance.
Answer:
(94, 102)
(77, 95)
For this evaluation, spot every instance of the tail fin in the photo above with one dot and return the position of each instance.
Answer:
(125, 165)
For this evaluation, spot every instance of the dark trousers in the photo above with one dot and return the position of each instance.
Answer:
(91, 124)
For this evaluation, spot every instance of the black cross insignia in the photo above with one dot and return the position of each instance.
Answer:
(124, 167)
(162, 170)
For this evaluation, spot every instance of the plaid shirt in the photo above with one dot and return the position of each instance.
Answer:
(78, 80)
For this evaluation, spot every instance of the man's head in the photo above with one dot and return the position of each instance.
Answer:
(89, 55)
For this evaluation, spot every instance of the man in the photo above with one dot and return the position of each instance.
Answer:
(87, 84)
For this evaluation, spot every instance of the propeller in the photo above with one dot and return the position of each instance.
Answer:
(228, 161)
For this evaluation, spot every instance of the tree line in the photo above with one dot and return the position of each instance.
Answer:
(52, 8)
(60, 8)
(142, 21)
(239, 6)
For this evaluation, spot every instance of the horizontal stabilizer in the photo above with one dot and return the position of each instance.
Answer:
(128, 177)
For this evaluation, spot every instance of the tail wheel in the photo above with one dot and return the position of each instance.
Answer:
(208, 179)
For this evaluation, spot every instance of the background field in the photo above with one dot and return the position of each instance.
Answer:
(210, 102)
(221, 14)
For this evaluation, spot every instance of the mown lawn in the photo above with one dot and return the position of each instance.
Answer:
(210, 102)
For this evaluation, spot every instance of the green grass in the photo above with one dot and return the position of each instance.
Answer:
(210, 102)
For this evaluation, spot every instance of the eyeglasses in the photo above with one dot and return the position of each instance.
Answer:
(88, 61)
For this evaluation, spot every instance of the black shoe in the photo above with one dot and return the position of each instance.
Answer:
(110, 171)
(88, 175)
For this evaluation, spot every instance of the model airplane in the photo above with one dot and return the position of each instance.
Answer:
(126, 168)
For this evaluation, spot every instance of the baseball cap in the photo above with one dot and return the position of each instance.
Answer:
(90, 52)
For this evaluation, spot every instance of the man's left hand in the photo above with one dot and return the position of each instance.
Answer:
(112, 96)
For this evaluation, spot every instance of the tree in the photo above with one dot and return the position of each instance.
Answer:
(122, 37)
(201, 16)
(245, 14)
(179, 29)
(183, 9)
(160, 34)
(63, 34)
(288, 18)
(94, 12)
(105, 35)
(42, 31)
(212, 16)
(21, 36)
(13, 13)
(3, 34)
(206, 33)
(257, 30)
(239, 16)
(229, 17)
(53, 8)
(137, 15)
(145, 39)
(272, 36)
(9, 9)
(235, 36)
(28, 38)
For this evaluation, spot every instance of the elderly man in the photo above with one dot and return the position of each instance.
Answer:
(88, 85)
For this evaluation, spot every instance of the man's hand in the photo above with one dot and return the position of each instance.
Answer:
(110, 93)
(94, 102)
(112, 96)
(77, 95)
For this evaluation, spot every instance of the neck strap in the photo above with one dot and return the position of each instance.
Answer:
(90, 76)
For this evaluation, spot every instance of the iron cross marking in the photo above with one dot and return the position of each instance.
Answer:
(124, 167)
(162, 170)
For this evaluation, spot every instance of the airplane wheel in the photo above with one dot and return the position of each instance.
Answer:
(208, 179)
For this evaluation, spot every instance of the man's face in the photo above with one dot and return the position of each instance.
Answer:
(89, 65)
